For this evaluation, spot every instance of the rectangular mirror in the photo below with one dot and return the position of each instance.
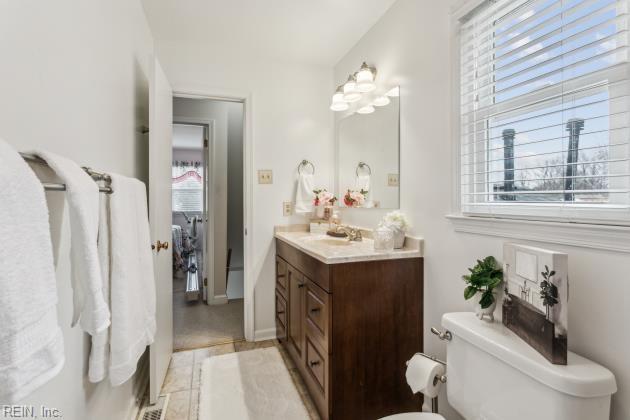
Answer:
(368, 158)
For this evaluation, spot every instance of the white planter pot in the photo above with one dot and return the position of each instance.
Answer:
(319, 212)
(399, 237)
(481, 312)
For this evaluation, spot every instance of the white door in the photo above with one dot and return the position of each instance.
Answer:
(160, 162)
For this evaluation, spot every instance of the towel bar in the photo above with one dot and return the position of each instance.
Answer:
(96, 176)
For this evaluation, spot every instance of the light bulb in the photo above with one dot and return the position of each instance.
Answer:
(365, 78)
(338, 104)
(381, 101)
(368, 109)
(350, 92)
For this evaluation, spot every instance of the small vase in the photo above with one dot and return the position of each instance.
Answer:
(483, 312)
(319, 212)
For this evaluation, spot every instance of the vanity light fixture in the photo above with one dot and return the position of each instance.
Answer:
(365, 78)
(381, 101)
(338, 104)
(368, 109)
(350, 92)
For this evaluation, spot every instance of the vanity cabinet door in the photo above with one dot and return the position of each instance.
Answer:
(297, 299)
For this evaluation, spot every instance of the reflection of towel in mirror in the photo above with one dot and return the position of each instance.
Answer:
(362, 182)
(304, 194)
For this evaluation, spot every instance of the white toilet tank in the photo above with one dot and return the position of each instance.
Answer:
(494, 375)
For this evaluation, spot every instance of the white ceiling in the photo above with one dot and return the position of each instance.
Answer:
(187, 137)
(313, 31)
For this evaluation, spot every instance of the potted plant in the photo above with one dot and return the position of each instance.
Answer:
(398, 224)
(548, 290)
(484, 277)
(354, 198)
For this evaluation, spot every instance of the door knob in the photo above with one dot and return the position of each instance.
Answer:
(160, 245)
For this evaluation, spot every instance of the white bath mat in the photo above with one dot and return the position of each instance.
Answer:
(249, 385)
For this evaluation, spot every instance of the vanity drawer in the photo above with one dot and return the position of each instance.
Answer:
(318, 315)
(316, 377)
(281, 277)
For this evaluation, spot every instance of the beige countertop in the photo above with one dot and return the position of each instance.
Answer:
(331, 250)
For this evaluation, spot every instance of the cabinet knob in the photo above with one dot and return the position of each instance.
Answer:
(159, 245)
(280, 312)
(316, 310)
(313, 363)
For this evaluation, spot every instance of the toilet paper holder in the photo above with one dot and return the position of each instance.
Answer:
(441, 378)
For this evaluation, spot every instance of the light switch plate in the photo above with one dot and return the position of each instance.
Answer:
(392, 180)
(287, 208)
(265, 176)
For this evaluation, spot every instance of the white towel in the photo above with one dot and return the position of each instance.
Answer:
(132, 291)
(304, 194)
(31, 343)
(362, 182)
(99, 353)
(83, 201)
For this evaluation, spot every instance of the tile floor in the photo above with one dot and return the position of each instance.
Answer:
(182, 378)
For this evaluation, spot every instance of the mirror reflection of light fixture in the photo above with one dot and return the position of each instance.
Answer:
(338, 104)
(393, 92)
(368, 109)
(365, 78)
(381, 101)
(350, 92)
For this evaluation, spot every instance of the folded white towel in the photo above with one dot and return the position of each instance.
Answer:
(83, 201)
(132, 288)
(304, 194)
(99, 353)
(31, 343)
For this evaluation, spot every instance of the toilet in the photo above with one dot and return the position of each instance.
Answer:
(494, 375)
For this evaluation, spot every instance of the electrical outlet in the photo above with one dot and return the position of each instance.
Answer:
(287, 208)
(265, 176)
(392, 180)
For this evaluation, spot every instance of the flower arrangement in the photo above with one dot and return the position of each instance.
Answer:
(396, 220)
(398, 224)
(323, 198)
(354, 198)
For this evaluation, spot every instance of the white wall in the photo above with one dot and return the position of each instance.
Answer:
(290, 122)
(410, 46)
(235, 199)
(73, 80)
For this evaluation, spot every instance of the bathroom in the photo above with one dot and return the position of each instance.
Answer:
(83, 72)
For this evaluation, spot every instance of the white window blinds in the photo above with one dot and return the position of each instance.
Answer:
(545, 112)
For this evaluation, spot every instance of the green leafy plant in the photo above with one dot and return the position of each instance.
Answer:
(548, 290)
(483, 278)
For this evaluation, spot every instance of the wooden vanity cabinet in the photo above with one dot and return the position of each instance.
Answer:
(349, 329)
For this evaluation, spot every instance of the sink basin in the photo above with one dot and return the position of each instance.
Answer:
(330, 241)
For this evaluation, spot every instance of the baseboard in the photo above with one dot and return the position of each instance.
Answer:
(218, 300)
(266, 334)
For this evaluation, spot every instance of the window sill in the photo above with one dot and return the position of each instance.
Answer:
(606, 237)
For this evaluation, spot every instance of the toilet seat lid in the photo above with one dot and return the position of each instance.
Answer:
(414, 416)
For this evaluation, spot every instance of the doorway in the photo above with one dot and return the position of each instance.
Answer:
(207, 222)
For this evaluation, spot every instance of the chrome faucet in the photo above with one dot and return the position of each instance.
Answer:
(354, 234)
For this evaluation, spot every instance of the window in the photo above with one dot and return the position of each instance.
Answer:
(544, 110)
(187, 186)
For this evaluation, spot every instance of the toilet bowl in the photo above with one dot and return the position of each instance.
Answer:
(414, 416)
